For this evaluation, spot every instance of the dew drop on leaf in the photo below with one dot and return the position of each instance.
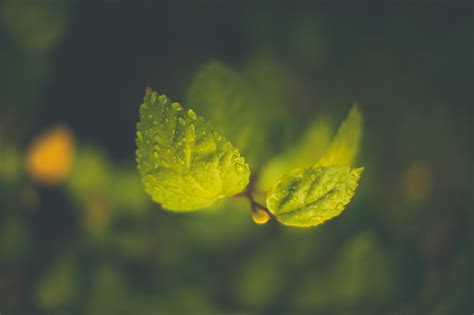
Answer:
(239, 168)
(191, 114)
(162, 98)
(176, 106)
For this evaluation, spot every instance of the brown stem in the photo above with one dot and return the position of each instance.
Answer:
(248, 194)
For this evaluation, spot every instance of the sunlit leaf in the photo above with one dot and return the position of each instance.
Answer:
(308, 197)
(184, 163)
(344, 147)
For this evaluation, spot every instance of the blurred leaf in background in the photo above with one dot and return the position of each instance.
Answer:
(36, 26)
(246, 106)
(11, 163)
(103, 190)
(57, 290)
(32, 30)
(302, 154)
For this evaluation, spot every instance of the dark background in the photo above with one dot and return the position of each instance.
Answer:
(403, 247)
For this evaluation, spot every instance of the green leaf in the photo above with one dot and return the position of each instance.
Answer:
(311, 146)
(345, 145)
(226, 98)
(308, 197)
(184, 163)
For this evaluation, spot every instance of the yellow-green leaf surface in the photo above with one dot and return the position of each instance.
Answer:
(308, 197)
(184, 163)
(345, 145)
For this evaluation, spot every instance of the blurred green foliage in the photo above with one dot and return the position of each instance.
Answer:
(95, 244)
(36, 26)
(239, 105)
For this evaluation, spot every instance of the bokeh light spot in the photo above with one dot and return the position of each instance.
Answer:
(49, 156)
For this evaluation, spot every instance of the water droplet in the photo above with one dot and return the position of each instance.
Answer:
(191, 114)
(216, 135)
(239, 168)
(155, 155)
(339, 206)
(176, 106)
(162, 99)
(349, 191)
(181, 121)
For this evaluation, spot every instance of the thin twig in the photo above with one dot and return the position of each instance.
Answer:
(248, 194)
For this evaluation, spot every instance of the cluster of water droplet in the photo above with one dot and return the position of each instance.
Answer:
(179, 153)
(313, 195)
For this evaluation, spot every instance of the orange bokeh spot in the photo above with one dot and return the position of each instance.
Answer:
(49, 156)
(260, 216)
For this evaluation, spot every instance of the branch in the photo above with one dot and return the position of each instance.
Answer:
(248, 194)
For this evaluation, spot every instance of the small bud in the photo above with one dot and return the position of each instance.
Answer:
(260, 216)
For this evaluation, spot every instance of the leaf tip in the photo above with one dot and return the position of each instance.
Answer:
(358, 171)
(355, 111)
